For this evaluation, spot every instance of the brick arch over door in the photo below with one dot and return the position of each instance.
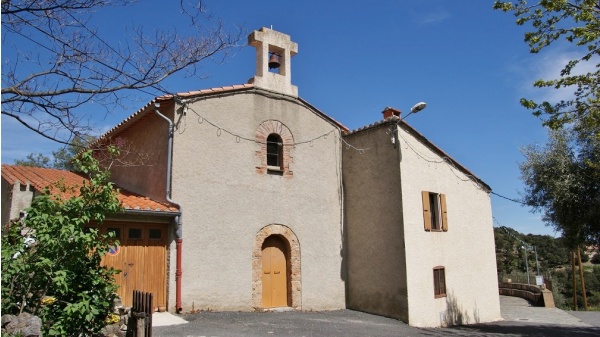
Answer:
(293, 248)
(262, 132)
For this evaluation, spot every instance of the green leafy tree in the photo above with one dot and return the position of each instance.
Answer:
(562, 283)
(51, 261)
(576, 22)
(510, 256)
(596, 258)
(34, 160)
(552, 252)
(62, 158)
(558, 291)
(507, 258)
(561, 183)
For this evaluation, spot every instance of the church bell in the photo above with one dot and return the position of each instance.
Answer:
(274, 61)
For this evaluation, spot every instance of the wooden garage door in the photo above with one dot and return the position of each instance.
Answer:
(142, 258)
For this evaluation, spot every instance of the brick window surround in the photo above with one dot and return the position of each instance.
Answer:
(293, 262)
(263, 131)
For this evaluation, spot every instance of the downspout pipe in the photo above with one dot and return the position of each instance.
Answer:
(178, 219)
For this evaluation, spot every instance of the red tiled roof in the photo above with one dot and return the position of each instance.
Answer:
(40, 178)
(207, 91)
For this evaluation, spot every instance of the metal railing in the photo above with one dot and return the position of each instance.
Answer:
(519, 277)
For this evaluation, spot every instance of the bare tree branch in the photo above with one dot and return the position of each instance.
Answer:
(61, 64)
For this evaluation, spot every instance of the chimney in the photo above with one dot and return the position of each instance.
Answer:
(389, 112)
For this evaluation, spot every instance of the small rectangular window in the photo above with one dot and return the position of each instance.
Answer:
(439, 282)
(434, 213)
(135, 233)
(155, 234)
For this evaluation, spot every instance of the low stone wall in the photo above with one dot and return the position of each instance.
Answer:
(539, 296)
(24, 324)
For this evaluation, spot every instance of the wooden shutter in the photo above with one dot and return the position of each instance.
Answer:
(426, 210)
(444, 212)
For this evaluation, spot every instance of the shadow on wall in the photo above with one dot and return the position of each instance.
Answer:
(455, 315)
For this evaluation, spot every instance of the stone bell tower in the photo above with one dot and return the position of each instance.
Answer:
(274, 51)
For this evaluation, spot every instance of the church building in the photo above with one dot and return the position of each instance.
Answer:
(270, 203)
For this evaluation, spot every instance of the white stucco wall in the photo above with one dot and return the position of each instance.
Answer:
(466, 250)
(226, 202)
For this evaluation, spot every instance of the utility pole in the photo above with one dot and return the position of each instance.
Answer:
(585, 306)
(574, 281)
(536, 261)
(526, 265)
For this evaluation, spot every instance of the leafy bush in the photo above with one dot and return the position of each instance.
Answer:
(57, 275)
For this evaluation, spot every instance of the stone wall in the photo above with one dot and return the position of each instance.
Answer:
(538, 295)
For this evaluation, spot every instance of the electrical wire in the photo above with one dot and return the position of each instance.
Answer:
(443, 160)
(510, 199)
(238, 137)
(453, 167)
(523, 243)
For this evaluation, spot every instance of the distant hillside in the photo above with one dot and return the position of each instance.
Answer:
(554, 264)
(510, 255)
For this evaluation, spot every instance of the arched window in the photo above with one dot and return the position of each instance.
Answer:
(275, 151)
(276, 145)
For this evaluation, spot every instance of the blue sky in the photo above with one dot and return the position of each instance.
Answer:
(467, 61)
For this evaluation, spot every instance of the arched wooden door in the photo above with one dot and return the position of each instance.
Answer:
(274, 273)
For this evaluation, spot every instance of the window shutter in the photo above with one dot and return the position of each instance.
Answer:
(444, 212)
(426, 210)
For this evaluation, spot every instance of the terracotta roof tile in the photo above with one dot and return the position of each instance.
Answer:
(40, 178)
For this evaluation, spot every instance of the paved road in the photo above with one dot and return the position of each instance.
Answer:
(520, 319)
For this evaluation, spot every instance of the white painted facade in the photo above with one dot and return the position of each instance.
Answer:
(384, 221)
(466, 250)
(226, 202)
(228, 198)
